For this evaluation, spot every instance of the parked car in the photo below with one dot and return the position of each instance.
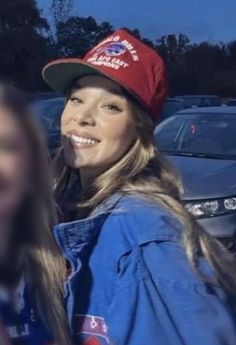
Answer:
(49, 114)
(201, 144)
(171, 106)
(232, 102)
(200, 101)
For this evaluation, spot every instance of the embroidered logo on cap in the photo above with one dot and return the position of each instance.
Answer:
(106, 53)
(112, 49)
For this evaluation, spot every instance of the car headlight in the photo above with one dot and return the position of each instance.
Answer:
(212, 208)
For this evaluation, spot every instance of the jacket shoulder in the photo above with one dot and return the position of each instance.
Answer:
(136, 221)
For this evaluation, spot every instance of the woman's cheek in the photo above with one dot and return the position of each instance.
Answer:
(14, 170)
(121, 134)
(9, 164)
(14, 183)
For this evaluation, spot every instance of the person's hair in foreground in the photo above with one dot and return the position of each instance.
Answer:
(32, 249)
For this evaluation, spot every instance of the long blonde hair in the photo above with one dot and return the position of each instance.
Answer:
(144, 171)
(37, 252)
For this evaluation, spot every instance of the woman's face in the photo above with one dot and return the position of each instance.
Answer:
(97, 125)
(14, 164)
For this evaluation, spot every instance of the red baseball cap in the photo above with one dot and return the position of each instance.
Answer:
(122, 58)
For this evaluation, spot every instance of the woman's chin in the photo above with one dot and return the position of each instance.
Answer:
(77, 163)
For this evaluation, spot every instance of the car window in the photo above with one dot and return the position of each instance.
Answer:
(199, 133)
(192, 101)
(49, 113)
(52, 115)
(205, 102)
(171, 107)
(201, 101)
(215, 102)
(231, 103)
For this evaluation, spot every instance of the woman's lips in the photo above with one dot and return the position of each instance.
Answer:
(82, 141)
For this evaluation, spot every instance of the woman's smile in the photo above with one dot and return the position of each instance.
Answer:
(82, 141)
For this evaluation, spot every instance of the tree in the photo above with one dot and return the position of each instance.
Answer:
(204, 57)
(26, 46)
(77, 35)
(172, 47)
(137, 34)
(20, 13)
(232, 54)
(61, 10)
(23, 47)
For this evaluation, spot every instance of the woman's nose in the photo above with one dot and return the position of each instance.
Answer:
(86, 118)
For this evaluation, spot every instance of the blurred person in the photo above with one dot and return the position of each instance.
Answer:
(142, 270)
(31, 267)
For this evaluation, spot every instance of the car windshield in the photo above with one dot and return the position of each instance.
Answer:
(203, 135)
(49, 113)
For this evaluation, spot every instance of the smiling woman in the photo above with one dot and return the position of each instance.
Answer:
(96, 126)
(136, 254)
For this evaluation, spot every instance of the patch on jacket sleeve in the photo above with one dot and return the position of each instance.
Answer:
(92, 341)
(94, 326)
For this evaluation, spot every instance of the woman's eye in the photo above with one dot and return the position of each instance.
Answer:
(113, 108)
(76, 100)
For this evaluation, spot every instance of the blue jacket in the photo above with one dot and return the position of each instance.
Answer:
(131, 283)
(19, 321)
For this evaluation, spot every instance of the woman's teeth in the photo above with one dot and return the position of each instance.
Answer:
(80, 140)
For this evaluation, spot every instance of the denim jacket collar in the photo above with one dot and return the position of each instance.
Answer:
(73, 236)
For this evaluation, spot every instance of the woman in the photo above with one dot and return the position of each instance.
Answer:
(31, 269)
(139, 271)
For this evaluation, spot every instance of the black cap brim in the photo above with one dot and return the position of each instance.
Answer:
(61, 74)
